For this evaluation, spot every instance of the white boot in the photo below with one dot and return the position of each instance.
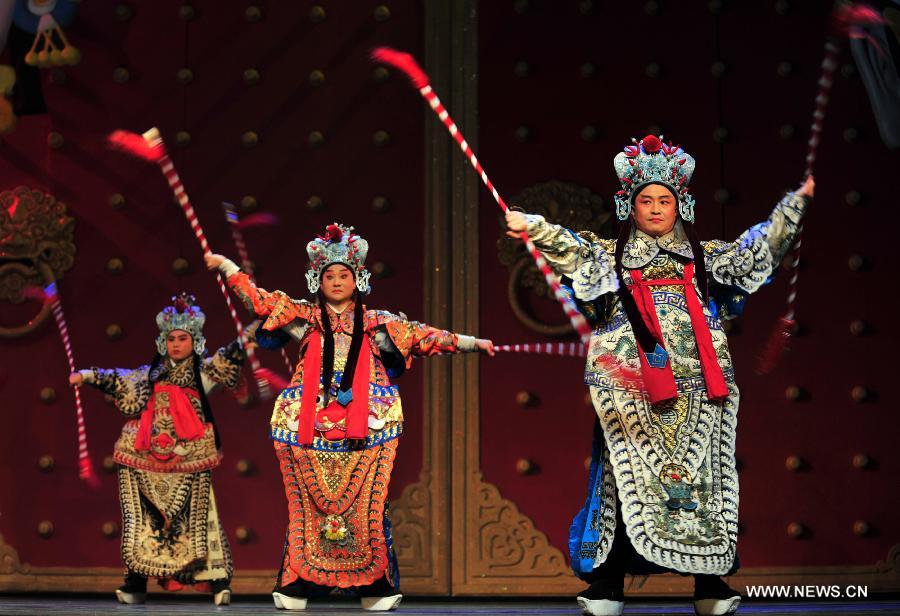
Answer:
(717, 607)
(381, 604)
(223, 597)
(131, 598)
(713, 596)
(600, 607)
(283, 602)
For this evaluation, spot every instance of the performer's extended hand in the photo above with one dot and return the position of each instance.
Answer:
(76, 379)
(516, 223)
(213, 261)
(485, 345)
(808, 188)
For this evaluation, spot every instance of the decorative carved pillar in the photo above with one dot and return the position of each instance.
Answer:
(422, 515)
(459, 528)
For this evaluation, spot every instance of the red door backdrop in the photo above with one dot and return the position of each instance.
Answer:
(280, 111)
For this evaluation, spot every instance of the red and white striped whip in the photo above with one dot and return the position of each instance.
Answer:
(630, 378)
(826, 80)
(783, 330)
(407, 64)
(559, 349)
(231, 216)
(150, 146)
(848, 20)
(85, 467)
(562, 349)
(609, 365)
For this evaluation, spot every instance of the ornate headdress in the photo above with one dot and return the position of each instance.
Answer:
(183, 315)
(650, 161)
(338, 245)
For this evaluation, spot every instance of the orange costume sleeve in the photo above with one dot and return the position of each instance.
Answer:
(412, 338)
(276, 307)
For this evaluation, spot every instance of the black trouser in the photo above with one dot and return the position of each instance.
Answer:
(137, 582)
(618, 561)
(134, 582)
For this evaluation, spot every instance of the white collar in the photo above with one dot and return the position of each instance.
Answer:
(643, 247)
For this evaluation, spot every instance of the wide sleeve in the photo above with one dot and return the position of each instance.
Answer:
(583, 257)
(129, 389)
(747, 263)
(223, 368)
(278, 309)
(394, 334)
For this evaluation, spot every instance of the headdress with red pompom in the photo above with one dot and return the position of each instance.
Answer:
(650, 161)
(182, 315)
(338, 245)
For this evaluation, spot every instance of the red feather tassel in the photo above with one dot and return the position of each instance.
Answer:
(257, 220)
(273, 379)
(404, 62)
(36, 293)
(850, 20)
(849, 16)
(776, 346)
(136, 145)
(86, 472)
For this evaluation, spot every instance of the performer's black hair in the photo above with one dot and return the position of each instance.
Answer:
(699, 259)
(157, 367)
(204, 402)
(328, 344)
(355, 343)
(327, 347)
(642, 333)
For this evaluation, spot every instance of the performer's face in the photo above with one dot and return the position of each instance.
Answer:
(179, 344)
(654, 210)
(337, 283)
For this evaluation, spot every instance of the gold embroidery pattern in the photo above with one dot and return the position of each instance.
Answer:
(173, 542)
(668, 417)
(168, 492)
(225, 366)
(129, 388)
(318, 550)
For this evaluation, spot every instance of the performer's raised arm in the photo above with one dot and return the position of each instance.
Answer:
(130, 389)
(223, 368)
(583, 257)
(278, 306)
(748, 262)
(411, 338)
(171, 434)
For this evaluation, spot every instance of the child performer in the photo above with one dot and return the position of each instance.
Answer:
(169, 445)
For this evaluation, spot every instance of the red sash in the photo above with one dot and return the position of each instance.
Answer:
(188, 426)
(660, 382)
(357, 409)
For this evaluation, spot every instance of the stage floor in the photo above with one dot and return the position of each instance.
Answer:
(187, 606)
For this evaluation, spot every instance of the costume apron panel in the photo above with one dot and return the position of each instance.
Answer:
(674, 468)
(170, 526)
(336, 503)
